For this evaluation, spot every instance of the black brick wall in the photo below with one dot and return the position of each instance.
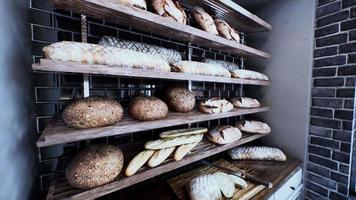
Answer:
(334, 72)
(52, 92)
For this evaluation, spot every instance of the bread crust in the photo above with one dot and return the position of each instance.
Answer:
(252, 126)
(245, 102)
(182, 132)
(138, 161)
(204, 20)
(224, 134)
(257, 153)
(92, 112)
(180, 99)
(215, 106)
(94, 166)
(148, 109)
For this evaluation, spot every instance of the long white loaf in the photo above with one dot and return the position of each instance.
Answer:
(193, 67)
(96, 54)
(257, 153)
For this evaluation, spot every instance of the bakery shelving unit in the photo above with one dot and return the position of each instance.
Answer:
(57, 133)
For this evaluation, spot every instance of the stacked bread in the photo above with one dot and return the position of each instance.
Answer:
(181, 142)
(214, 186)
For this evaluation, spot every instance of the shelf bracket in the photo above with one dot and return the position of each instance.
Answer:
(84, 33)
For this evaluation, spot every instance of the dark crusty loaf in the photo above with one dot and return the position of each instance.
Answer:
(180, 99)
(94, 166)
(148, 108)
(92, 112)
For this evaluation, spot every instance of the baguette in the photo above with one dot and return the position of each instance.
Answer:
(257, 153)
(184, 150)
(171, 142)
(160, 156)
(182, 132)
(138, 161)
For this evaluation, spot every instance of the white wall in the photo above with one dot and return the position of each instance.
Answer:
(17, 158)
(291, 45)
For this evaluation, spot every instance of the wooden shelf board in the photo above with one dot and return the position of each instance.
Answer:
(146, 21)
(72, 67)
(57, 132)
(61, 189)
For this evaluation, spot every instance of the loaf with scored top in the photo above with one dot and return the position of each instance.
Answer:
(257, 153)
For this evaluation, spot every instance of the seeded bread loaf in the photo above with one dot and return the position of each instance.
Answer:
(180, 99)
(94, 166)
(92, 112)
(148, 109)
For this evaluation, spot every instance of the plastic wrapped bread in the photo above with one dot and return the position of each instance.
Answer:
(204, 187)
(170, 55)
(227, 65)
(248, 74)
(97, 54)
(257, 153)
(226, 31)
(137, 3)
(204, 20)
(193, 67)
(170, 9)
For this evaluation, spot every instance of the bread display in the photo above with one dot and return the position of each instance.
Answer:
(226, 31)
(92, 112)
(215, 106)
(184, 150)
(210, 186)
(248, 74)
(227, 65)
(257, 153)
(251, 126)
(147, 109)
(245, 102)
(224, 134)
(170, 9)
(180, 99)
(97, 54)
(204, 20)
(159, 156)
(94, 166)
(204, 187)
(172, 142)
(192, 67)
(138, 161)
(136, 3)
(182, 132)
(169, 55)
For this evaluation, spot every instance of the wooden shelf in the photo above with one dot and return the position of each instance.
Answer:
(72, 67)
(60, 189)
(57, 132)
(155, 24)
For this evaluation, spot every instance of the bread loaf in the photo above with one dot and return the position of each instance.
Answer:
(192, 67)
(215, 106)
(92, 112)
(180, 99)
(227, 65)
(147, 109)
(226, 31)
(204, 187)
(225, 184)
(172, 142)
(94, 166)
(182, 132)
(138, 161)
(251, 126)
(136, 3)
(204, 20)
(159, 156)
(169, 55)
(97, 54)
(183, 150)
(248, 74)
(170, 9)
(257, 153)
(245, 102)
(224, 134)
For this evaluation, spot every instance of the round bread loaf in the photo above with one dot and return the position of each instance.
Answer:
(92, 112)
(148, 109)
(94, 166)
(180, 99)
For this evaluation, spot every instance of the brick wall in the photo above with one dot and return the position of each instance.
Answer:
(52, 92)
(334, 71)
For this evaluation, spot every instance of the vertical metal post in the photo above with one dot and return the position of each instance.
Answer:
(84, 32)
(190, 53)
(242, 66)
